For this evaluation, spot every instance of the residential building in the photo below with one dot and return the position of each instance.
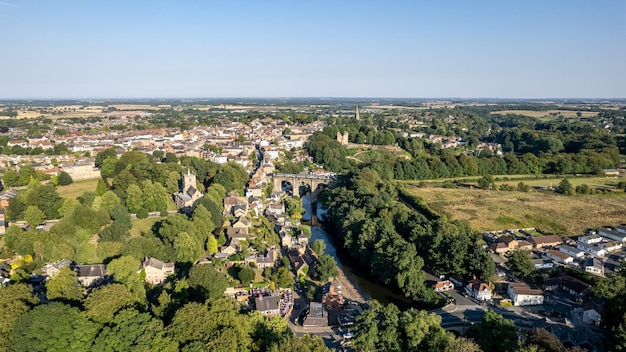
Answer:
(590, 239)
(479, 290)
(545, 241)
(568, 284)
(589, 248)
(441, 286)
(90, 275)
(616, 234)
(592, 314)
(156, 271)
(235, 206)
(268, 305)
(611, 246)
(317, 315)
(541, 263)
(522, 295)
(559, 256)
(571, 251)
(594, 266)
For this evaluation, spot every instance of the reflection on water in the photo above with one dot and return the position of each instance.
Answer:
(368, 288)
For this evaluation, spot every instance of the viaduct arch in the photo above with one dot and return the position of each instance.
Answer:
(296, 180)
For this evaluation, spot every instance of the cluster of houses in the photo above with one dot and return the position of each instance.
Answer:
(93, 275)
(588, 253)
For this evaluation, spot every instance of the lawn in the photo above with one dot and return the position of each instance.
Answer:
(77, 188)
(143, 226)
(547, 211)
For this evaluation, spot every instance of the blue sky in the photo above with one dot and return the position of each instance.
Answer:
(499, 49)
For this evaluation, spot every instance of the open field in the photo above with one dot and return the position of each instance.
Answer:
(535, 113)
(547, 211)
(143, 226)
(77, 188)
(605, 182)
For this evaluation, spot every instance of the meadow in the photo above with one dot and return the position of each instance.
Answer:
(546, 210)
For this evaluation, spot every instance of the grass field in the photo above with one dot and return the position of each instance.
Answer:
(547, 211)
(77, 188)
(535, 113)
(606, 182)
(143, 226)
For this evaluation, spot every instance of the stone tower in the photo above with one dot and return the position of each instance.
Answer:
(189, 180)
(357, 116)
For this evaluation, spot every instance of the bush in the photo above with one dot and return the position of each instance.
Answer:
(142, 213)
(522, 187)
(449, 184)
(164, 213)
(583, 189)
(64, 179)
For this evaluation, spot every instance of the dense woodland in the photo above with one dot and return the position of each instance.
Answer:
(132, 183)
(530, 146)
(187, 314)
(396, 236)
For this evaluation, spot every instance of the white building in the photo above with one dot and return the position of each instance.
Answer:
(611, 246)
(559, 257)
(619, 235)
(590, 239)
(571, 251)
(594, 266)
(522, 295)
(589, 248)
(592, 315)
(479, 290)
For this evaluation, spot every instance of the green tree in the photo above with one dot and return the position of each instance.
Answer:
(101, 187)
(230, 332)
(33, 215)
(565, 187)
(207, 282)
(11, 178)
(495, 333)
(125, 270)
(211, 245)
(110, 200)
(134, 331)
(134, 198)
(15, 300)
(64, 286)
(485, 182)
(102, 303)
(520, 263)
(545, 340)
(107, 153)
(64, 179)
(188, 248)
(326, 267)
(246, 275)
(53, 327)
(318, 246)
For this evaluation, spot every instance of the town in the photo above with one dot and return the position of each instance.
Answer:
(247, 203)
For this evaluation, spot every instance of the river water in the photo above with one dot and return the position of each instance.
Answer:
(368, 288)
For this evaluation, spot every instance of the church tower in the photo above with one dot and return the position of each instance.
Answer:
(189, 180)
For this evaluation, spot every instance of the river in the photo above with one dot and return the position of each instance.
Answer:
(368, 288)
